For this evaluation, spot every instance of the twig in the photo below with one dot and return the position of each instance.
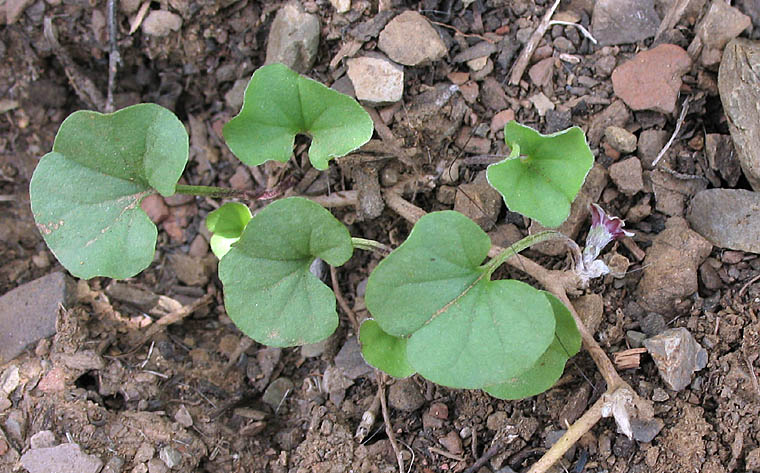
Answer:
(114, 58)
(681, 117)
(490, 453)
(336, 199)
(244, 344)
(446, 454)
(368, 419)
(584, 31)
(748, 284)
(466, 35)
(387, 419)
(342, 301)
(522, 61)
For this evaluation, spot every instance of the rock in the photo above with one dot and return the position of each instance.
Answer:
(624, 21)
(241, 179)
(635, 338)
(492, 94)
(739, 86)
(541, 72)
(144, 452)
(155, 207)
(114, 465)
(479, 201)
(722, 157)
(752, 460)
(156, 465)
(234, 97)
(350, 360)
(452, 442)
(575, 405)
(170, 456)
(85, 360)
(653, 324)
(14, 9)
(646, 430)
(542, 103)
(37, 302)
(650, 144)
(590, 308)
(479, 50)
(405, 395)
(439, 410)
(616, 114)
(652, 79)
(376, 81)
(670, 266)
(313, 350)
(276, 392)
(500, 120)
(335, 382)
(671, 192)
(161, 22)
(729, 218)
(411, 40)
(621, 139)
(190, 271)
(718, 26)
(293, 38)
(183, 417)
(341, 6)
(64, 458)
(627, 176)
(677, 356)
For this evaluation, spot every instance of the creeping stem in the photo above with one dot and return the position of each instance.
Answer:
(370, 245)
(209, 191)
(516, 248)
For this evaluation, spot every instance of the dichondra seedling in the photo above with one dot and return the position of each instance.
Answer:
(436, 308)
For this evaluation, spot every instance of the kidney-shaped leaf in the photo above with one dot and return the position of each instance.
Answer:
(279, 104)
(463, 329)
(548, 369)
(383, 351)
(227, 224)
(543, 174)
(269, 291)
(86, 193)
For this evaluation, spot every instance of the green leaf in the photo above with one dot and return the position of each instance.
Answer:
(86, 193)
(268, 290)
(279, 104)
(227, 224)
(544, 173)
(383, 351)
(463, 329)
(548, 369)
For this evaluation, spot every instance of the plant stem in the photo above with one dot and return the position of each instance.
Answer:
(516, 248)
(209, 191)
(370, 245)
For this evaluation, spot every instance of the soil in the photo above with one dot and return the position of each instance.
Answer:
(95, 385)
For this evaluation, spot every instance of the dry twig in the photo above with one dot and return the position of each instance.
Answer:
(681, 117)
(342, 301)
(522, 61)
(113, 55)
(381, 377)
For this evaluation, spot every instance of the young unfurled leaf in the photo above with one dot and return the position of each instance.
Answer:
(463, 329)
(227, 224)
(269, 291)
(279, 104)
(543, 174)
(86, 193)
(384, 351)
(548, 369)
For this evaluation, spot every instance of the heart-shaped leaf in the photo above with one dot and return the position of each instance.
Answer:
(543, 174)
(86, 193)
(548, 369)
(269, 291)
(279, 104)
(463, 329)
(227, 224)
(383, 351)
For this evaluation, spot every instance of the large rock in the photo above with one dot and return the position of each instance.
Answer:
(739, 85)
(652, 79)
(624, 21)
(376, 81)
(721, 24)
(677, 356)
(64, 458)
(670, 266)
(411, 40)
(28, 313)
(293, 38)
(729, 218)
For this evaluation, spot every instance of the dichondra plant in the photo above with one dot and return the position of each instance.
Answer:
(435, 305)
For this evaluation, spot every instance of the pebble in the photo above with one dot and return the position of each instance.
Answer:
(114, 465)
(722, 157)
(452, 442)
(677, 356)
(189, 270)
(155, 207)
(541, 72)
(718, 26)
(500, 120)
(652, 79)
(590, 308)
(405, 395)
(341, 6)
(276, 392)
(469, 91)
(542, 103)
(479, 201)
(411, 40)
(616, 114)
(497, 421)
(234, 97)
(646, 430)
(43, 439)
(439, 410)
(653, 324)
(183, 417)
(739, 86)
(160, 23)
(350, 360)
(635, 338)
(293, 38)
(64, 458)
(670, 266)
(621, 139)
(752, 460)
(627, 176)
(170, 456)
(492, 94)
(575, 405)
(650, 143)
(38, 301)
(144, 453)
(482, 49)
(660, 395)
(623, 21)
(156, 465)
(313, 350)
(376, 81)
(729, 218)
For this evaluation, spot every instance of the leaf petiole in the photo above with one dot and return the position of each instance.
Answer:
(370, 245)
(517, 247)
(208, 191)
